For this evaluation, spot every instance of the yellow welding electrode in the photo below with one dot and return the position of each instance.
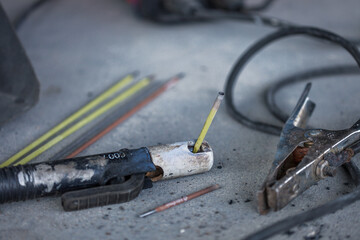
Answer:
(98, 100)
(208, 121)
(128, 93)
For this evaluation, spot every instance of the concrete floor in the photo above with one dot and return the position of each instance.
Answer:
(78, 48)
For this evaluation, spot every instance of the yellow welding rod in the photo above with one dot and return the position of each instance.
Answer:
(128, 93)
(208, 122)
(85, 109)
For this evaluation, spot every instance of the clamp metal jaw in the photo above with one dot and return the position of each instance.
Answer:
(304, 156)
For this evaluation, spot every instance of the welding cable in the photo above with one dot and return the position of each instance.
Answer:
(122, 83)
(86, 120)
(314, 74)
(250, 17)
(248, 14)
(85, 142)
(312, 214)
(209, 15)
(250, 52)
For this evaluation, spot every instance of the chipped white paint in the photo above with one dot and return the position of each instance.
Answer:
(102, 163)
(24, 178)
(176, 160)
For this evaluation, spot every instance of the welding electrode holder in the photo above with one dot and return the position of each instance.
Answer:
(95, 174)
(102, 179)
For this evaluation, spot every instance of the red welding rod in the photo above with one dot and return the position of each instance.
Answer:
(181, 200)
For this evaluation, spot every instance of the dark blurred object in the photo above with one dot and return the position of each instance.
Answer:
(184, 10)
(27, 12)
(19, 87)
(228, 4)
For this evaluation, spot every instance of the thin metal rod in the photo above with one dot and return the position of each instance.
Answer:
(181, 200)
(167, 85)
(208, 121)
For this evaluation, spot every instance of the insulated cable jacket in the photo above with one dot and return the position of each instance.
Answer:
(313, 74)
(242, 61)
(255, 18)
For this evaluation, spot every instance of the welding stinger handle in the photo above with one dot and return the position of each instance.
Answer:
(49, 178)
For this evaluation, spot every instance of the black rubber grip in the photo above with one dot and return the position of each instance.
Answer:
(11, 189)
(24, 182)
(103, 195)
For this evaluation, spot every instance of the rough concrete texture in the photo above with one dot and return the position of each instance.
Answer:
(78, 48)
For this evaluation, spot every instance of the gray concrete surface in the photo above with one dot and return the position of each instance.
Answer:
(78, 48)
